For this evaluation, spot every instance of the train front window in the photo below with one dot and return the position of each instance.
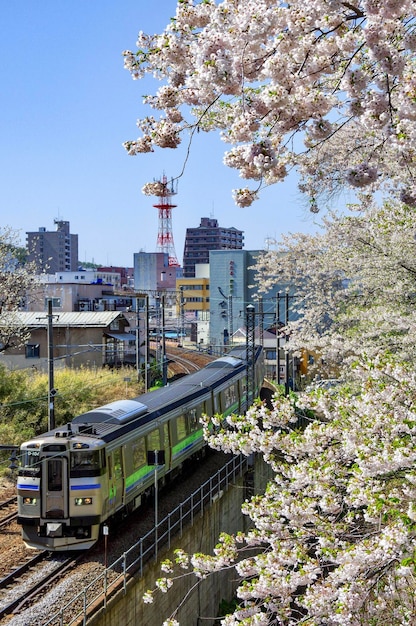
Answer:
(29, 459)
(85, 460)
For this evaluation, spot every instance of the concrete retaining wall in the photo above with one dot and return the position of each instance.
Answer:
(195, 604)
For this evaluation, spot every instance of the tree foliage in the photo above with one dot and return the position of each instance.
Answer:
(326, 86)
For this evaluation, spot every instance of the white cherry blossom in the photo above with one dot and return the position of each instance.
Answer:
(266, 71)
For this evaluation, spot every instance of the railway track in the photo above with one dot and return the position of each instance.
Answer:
(8, 511)
(27, 586)
(182, 364)
(59, 598)
(19, 588)
(183, 361)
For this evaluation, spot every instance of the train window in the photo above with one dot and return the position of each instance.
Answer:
(229, 396)
(181, 427)
(55, 475)
(139, 453)
(85, 459)
(153, 440)
(166, 443)
(118, 470)
(30, 458)
(217, 403)
(193, 422)
(55, 447)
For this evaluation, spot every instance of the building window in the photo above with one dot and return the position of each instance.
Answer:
(32, 350)
(56, 303)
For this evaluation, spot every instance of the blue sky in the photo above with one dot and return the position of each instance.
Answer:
(67, 104)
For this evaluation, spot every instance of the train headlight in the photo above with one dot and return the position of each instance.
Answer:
(31, 501)
(82, 501)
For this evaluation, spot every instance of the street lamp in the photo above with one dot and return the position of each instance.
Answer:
(156, 458)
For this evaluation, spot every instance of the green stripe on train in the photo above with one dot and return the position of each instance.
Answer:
(140, 474)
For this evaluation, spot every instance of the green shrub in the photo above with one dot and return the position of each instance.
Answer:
(24, 397)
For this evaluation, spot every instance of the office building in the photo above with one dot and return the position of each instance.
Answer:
(232, 287)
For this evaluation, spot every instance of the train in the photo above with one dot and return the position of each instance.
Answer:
(75, 479)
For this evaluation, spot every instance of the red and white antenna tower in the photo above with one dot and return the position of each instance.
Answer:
(165, 234)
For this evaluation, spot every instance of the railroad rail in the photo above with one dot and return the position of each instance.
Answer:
(8, 519)
(8, 511)
(95, 595)
(7, 503)
(22, 585)
(184, 363)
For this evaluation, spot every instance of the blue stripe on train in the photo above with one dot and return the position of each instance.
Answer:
(30, 487)
(78, 487)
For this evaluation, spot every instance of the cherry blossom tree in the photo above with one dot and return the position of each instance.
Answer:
(332, 540)
(355, 285)
(16, 280)
(324, 86)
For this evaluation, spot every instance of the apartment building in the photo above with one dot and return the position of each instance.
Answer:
(206, 237)
(53, 251)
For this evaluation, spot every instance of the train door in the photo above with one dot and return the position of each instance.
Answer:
(54, 487)
(115, 480)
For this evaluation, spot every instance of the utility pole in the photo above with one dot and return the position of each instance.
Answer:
(137, 339)
(261, 323)
(230, 319)
(51, 388)
(182, 315)
(278, 339)
(164, 360)
(146, 334)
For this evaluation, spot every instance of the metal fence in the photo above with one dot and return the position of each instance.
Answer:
(134, 560)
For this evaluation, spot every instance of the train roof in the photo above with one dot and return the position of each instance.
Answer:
(108, 419)
(225, 361)
(118, 412)
(113, 419)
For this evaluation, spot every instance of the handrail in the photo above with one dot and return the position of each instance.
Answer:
(135, 558)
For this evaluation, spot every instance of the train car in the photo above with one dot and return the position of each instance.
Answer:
(74, 478)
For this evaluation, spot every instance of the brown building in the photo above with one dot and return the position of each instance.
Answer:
(194, 293)
(90, 339)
